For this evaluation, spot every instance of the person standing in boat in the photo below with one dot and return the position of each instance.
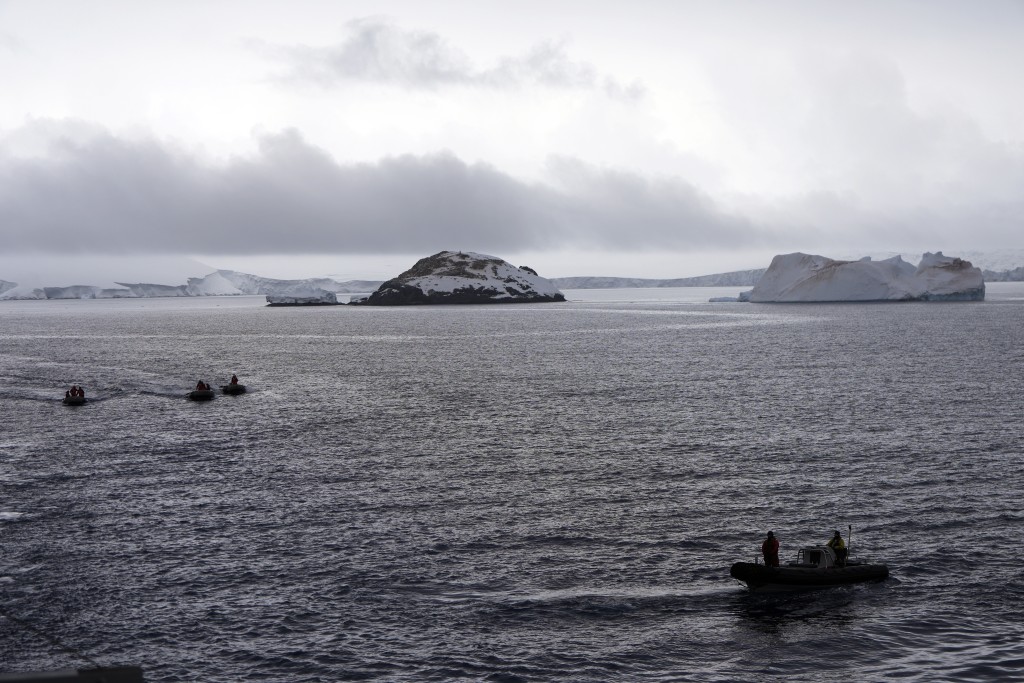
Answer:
(234, 379)
(770, 550)
(838, 547)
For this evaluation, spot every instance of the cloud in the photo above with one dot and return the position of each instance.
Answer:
(107, 194)
(9, 43)
(87, 190)
(377, 51)
(867, 136)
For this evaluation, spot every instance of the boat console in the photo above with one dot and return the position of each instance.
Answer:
(814, 557)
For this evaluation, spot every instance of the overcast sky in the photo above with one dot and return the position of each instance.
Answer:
(647, 138)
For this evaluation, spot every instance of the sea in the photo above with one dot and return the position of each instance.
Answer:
(511, 493)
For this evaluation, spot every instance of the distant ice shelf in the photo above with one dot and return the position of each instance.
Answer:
(218, 283)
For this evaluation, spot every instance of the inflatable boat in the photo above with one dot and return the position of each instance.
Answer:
(815, 567)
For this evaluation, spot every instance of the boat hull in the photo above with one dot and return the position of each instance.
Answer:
(74, 400)
(201, 394)
(233, 389)
(758, 577)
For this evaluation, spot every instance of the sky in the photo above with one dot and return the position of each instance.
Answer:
(642, 139)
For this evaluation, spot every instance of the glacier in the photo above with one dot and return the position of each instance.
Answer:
(800, 277)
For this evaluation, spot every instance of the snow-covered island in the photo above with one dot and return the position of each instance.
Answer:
(456, 277)
(808, 278)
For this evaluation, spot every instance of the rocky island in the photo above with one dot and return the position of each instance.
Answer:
(808, 278)
(456, 277)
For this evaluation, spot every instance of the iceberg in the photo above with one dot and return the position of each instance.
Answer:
(456, 277)
(303, 297)
(808, 278)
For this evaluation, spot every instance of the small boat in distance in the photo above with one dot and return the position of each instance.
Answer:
(815, 567)
(202, 392)
(233, 388)
(75, 396)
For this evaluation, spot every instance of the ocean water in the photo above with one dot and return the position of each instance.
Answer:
(511, 493)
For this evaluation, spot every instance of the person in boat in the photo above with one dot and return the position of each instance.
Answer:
(201, 386)
(234, 379)
(67, 394)
(81, 392)
(838, 547)
(770, 550)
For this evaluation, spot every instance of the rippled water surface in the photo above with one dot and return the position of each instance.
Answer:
(510, 493)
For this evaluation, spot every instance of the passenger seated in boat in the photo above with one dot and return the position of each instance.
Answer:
(234, 379)
(201, 386)
(67, 394)
(839, 548)
(770, 550)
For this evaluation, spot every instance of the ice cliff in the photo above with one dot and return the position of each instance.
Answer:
(451, 277)
(808, 278)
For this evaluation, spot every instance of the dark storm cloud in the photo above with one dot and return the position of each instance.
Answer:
(377, 51)
(109, 194)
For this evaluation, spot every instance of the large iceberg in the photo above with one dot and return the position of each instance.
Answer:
(808, 278)
(451, 277)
